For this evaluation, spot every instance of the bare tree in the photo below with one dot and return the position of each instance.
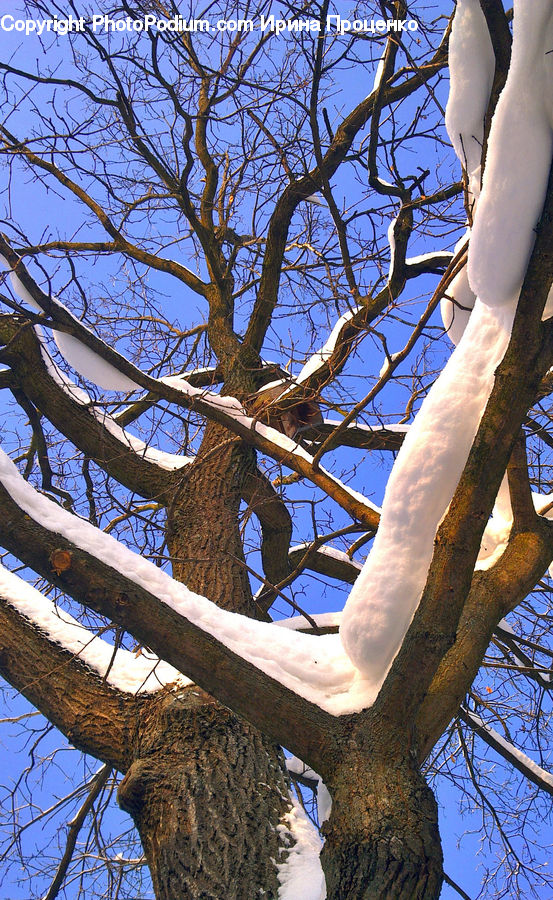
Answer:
(219, 225)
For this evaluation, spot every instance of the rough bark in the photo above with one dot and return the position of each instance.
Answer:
(203, 531)
(206, 792)
(382, 838)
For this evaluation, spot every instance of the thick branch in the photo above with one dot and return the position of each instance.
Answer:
(93, 716)
(260, 699)
(73, 419)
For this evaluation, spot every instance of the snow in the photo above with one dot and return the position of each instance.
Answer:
(457, 306)
(314, 667)
(19, 287)
(130, 673)
(324, 800)
(399, 428)
(497, 531)
(168, 461)
(91, 366)
(386, 594)
(315, 200)
(318, 359)
(301, 876)
(513, 752)
(471, 66)
(392, 243)
(326, 551)
(322, 620)
(518, 160)
(80, 357)
(387, 364)
(428, 257)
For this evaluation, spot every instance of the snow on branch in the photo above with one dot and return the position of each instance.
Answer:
(429, 465)
(471, 66)
(519, 760)
(314, 668)
(166, 461)
(121, 668)
(226, 410)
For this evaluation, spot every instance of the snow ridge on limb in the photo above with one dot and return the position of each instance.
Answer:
(167, 461)
(471, 66)
(518, 160)
(80, 357)
(120, 668)
(387, 593)
(517, 758)
(315, 668)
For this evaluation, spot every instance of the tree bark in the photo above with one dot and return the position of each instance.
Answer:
(382, 838)
(206, 793)
(203, 529)
(206, 790)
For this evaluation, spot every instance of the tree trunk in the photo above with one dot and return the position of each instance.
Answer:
(203, 528)
(206, 794)
(206, 790)
(382, 839)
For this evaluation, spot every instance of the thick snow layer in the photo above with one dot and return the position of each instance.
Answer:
(386, 594)
(91, 366)
(168, 461)
(301, 876)
(471, 67)
(80, 357)
(127, 672)
(316, 668)
(457, 306)
(518, 160)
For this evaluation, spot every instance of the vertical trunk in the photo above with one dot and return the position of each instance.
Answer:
(203, 532)
(382, 838)
(206, 790)
(206, 794)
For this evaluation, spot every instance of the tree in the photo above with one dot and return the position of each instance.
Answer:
(233, 214)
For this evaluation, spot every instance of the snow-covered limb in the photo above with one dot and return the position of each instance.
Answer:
(297, 674)
(429, 465)
(471, 66)
(384, 598)
(167, 461)
(435, 261)
(118, 444)
(122, 669)
(518, 161)
(357, 434)
(68, 407)
(93, 714)
(326, 560)
(519, 760)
